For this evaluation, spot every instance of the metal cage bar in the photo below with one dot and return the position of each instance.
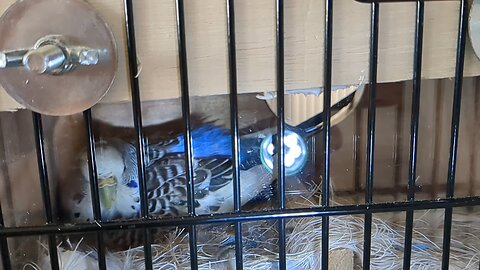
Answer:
(92, 171)
(45, 186)
(137, 119)
(245, 216)
(367, 234)
(457, 102)
(4, 250)
(412, 172)
(326, 127)
(51, 229)
(280, 68)
(232, 68)
(182, 54)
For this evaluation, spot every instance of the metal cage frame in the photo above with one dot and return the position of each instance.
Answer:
(281, 213)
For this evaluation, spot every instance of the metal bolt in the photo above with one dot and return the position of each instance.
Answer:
(50, 55)
(45, 59)
(12, 58)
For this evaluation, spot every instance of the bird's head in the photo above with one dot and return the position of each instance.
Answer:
(110, 167)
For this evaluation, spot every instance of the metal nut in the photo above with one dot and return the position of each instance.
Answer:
(3, 60)
(88, 57)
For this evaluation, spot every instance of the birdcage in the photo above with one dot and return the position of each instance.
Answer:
(384, 179)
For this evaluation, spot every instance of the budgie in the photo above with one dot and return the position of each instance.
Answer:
(166, 181)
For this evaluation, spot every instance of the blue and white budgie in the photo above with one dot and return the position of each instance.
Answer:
(165, 177)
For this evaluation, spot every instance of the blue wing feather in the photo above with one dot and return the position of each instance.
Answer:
(210, 141)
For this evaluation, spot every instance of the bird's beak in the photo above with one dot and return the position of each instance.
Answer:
(107, 191)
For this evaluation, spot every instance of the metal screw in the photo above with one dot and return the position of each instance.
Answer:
(12, 58)
(45, 59)
(50, 55)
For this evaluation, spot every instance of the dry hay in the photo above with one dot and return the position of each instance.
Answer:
(216, 244)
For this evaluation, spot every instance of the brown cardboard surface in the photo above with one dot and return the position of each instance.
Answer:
(155, 24)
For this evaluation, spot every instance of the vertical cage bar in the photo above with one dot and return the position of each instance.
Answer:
(182, 54)
(412, 171)
(92, 171)
(280, 54)
(280, 67)
(457, 102)
(326, 124)
(137, 119)
(44, 185)
(367, 234)
(6, 263)
(232, 67)
(233, 102)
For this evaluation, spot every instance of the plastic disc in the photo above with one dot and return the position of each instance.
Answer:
(27, 21)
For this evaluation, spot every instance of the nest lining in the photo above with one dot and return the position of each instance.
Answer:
(303, 245)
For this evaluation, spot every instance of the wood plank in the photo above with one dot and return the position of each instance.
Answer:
(304, 23)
